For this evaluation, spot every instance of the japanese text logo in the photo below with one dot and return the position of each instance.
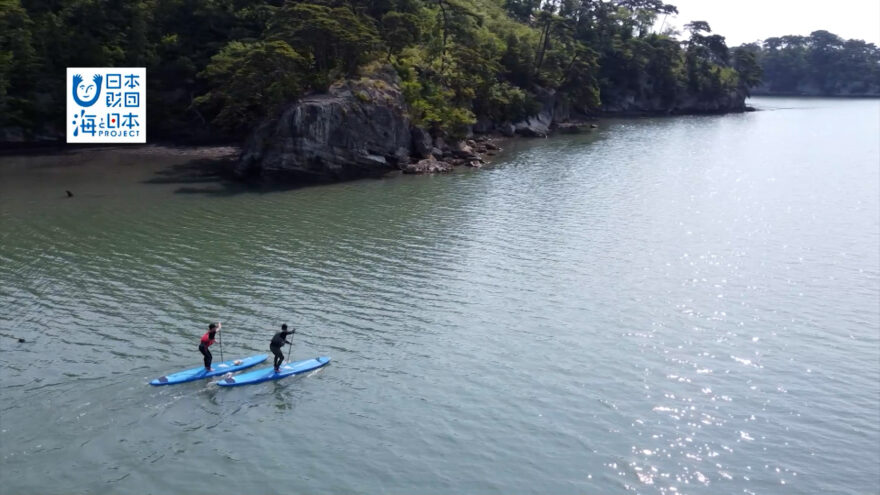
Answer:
(106, 105)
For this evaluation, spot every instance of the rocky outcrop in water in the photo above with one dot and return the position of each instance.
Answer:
(358, 129)
(553, 111)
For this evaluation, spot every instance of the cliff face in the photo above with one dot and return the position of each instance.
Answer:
(358, 129)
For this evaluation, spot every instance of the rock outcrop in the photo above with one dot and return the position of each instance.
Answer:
(358, 129)
(553, 111)
(422, 144)
(535, 126)
(428, 166)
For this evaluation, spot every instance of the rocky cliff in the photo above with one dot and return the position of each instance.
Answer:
(358, 129)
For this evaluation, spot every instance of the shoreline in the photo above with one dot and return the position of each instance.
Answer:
(49, 147)
(486, 146)
(218, 151)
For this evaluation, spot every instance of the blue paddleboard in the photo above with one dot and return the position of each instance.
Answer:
(267, 374)
(219, 369)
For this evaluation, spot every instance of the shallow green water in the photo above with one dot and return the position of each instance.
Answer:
(679, 305)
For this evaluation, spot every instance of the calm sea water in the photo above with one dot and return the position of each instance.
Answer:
(664, 306)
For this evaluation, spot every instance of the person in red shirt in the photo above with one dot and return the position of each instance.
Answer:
(206, 342)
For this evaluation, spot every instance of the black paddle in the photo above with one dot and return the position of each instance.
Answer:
(220, 340)
(290, 344)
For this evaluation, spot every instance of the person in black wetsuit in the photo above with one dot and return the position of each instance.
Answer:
(279, 340)
(206, 342)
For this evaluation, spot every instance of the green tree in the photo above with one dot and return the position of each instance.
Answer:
(399, 30)
(579, 79)
(822, 63)
(745, 61)
(218, 66)
(18, 64)
(338, 39)
(251, 81)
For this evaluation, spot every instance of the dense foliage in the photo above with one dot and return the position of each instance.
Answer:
(819, 64)
(215, 67)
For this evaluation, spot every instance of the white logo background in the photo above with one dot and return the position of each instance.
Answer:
(106, 105)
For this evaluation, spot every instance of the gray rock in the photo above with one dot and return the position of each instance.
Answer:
(428, 166)
(535, 126)
(574, 127)
(457, 161)
(359, 128)
(507, 129)
(463, 151)
(553, 111)
(421, 142)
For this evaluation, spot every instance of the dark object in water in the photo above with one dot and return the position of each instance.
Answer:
(20, 340)
(69, 194)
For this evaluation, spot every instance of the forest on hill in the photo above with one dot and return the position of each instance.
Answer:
(821, 64)
(217, 67)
